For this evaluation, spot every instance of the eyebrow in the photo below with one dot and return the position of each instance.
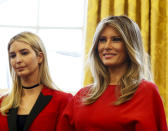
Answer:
(111, 36)
(19, 50)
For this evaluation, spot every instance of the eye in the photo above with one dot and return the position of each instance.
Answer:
(116, 39)
(12, 55)
(102, 40)
(24, 52)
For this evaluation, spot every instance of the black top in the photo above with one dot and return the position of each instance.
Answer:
(21, 119)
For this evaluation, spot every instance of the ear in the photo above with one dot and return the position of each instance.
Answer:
(40, 57)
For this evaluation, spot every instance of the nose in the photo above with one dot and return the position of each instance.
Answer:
(18, 58)
(107, 44)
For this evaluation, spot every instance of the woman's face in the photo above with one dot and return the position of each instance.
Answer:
(111, 49)
(24, 59)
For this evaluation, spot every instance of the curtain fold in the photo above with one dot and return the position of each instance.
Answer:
(159, 47)
(152, 18)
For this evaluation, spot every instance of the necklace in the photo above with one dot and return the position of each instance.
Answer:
(30, 87)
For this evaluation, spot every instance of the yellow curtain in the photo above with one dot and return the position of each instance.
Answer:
(152, 18)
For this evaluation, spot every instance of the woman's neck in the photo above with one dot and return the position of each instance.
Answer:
(30, 79)
(30, 83)
(116, 74)
(33, 91)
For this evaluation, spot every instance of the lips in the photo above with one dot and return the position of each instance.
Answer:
(109, 55)
(20, 68)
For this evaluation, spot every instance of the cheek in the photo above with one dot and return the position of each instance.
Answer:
(33, 62)
(100, 55)
(100, 50)
(124, 54)
(12, 63)
(31, 59)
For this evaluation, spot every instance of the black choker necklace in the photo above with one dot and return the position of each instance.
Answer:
(30, 87)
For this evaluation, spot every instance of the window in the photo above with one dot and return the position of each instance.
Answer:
(59, 23)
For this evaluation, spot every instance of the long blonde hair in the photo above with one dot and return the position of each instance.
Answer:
(12, 100)
(138, 67)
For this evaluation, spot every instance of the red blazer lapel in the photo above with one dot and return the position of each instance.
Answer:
(11, 117)
(41, 102)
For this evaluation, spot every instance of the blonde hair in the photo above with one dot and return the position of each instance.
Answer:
(138, 67)
(12, 100)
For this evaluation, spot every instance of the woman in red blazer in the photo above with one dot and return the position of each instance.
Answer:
(33, 103)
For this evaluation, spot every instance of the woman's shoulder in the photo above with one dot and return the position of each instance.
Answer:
(59, 98)
(84, 90)
(62, 94)
(56, 93)
(148, 88)
(148, 85)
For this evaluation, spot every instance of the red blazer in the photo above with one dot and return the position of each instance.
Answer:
(44, 115)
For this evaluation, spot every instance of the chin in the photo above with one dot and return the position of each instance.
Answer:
(22, 74)
(109, 64)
